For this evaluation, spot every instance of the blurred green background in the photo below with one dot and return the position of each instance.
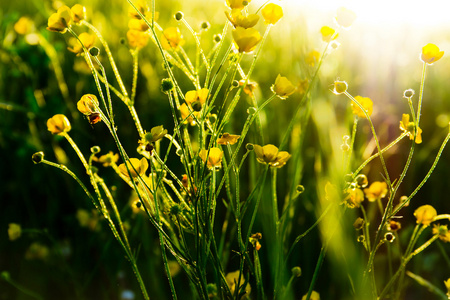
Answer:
(378, 60)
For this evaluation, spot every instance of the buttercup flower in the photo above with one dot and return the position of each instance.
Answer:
(272, 13)
(312, 58)
(171, 38)
(354, 197)
(137, 24)
(366, 103)
(250, 87)
(302, 86)
(442, 230)
(239, 20)
(186, 115)
(227, 138)
(14, 231)
(394, 225)
(283, 87)
(447, 285)
(37, 251)
(137, 167)
(107, 159)
(213, 158)
(237, 3)
(88, 104)
(78, 13)
(269, 154)
(376, 190)
(60, 20)
(196, 99)
(155, 134)
(137, 39)
(314, 296)
(58, 124)
(345, 17)
(232, 281)
(24, 26)
(431, 54)
(328, 34)
(141, 5)
(340, 87)
(425, 214)
(246, 39)
(87, 39)
(408, 127)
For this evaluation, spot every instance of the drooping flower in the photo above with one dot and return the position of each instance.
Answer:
(237, 18)
(107, 159)
(442, 230)
(58, 124)
(283, 87)
(228, 139)
(345, 17)
(269, 154)
(376, 190)
(172, 38)
(431, 54)
(425, 214)
(212, 158)
(60, 20)
(237, 3)
(155, 134)
(328, 34)
(408, 127)
(137, 39)
(272, 13)
(137, 167)
(87, 39)
(249, 88)
(312, 58)
(78, 13)
(366, 103)
(14, 231)
(246, 39)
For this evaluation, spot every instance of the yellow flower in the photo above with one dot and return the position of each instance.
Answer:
(269, 154)
(137, 167)
(141, 5)
(172, 38)
(213, 158)
(88, 104)
(237, 3)
(312, 58)
(88, 219)
(246, 39)
(442, 230)
(37, 251)
(366, 103)
(345, 17)
(137, 39)
(272, 13)
(249, 88)
(431, 54)
(314, 296)
(137, 24)
(425, 214)
(107, 159)
(239, 20)
(328, 34)
(340, 87)
(394, 225)
(302, 86)
(87, 39)
(14, 231)
(376, 190)
(78, 13)
(283, 87)
(354, 197)
(408, 127)
(447, 285)
(58, 124)
(232, 281)
(227, 138)
(186, 115)
(196, 99)
(60, 20)
(24, 26)
(155, 134)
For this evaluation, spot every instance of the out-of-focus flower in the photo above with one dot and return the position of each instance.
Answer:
(254, 239)
(312, 58)
(409, 93)
(78, 13)
(14, 231)
(227, 138)
(88, 219)
(239, 20)
(354, 197)
(302, 86)
(431, 54)
(237, 3)
(283, 87)
(394, 225)
(141, 6)
(60, 20)
(137, 167)
(87, 39)
(250, 87)
(408, 127)
(269, 154)
(442, 230)
(107, 159)
(246, 39)
(137, 39)
(196, 99)
(340, 87)
(37, 251)
(232, 281)
(58, 124)
(24, 26)
(345, 17)
(272, 13)
(359, 223)
(172, 38)
(366, 103)
(328, 34)
(314, 296)
(425, 214)
(447, 285)
(137, 24)
(376, 190)
(213, 157)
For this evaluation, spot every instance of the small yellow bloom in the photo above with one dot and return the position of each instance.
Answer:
(376, 190)
(340, 87)
(442, 230)
(366, 103)
(58, 124)
(302, 86)
(89, 219)
(141, 5)
(246, 39)
(196, 99)
(272, 13)
(447, 285)
(269, 154)
(250, 87)
(14, 231)
(88, 104)
(186, 115)
(236, 3)
(312, 58)
(213, 158)
(283, 87)
(78, 13)
(239, 20)
(408, 127)
(24, 26)
(328, 34)
(314, 296)
(137, 39)
(232, 281)
(107, 159)
(137, 167)
(431, 54)
(87, 39)
(172, 38)
(37, 251)
(60, 20)
(227, 138)
(155, 134)
(354, 198)
(345, 17)
(425, 214)
(137, 24)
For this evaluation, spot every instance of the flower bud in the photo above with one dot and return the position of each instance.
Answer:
(95, 149)
(166, 85)
(37, 157)
(340, 87)
(179, 15)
